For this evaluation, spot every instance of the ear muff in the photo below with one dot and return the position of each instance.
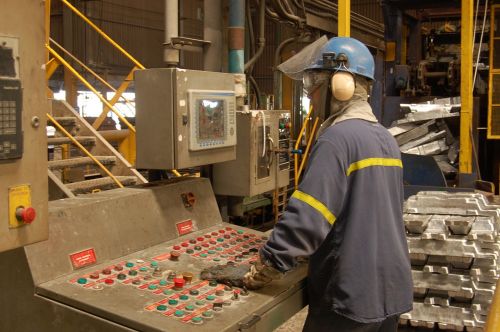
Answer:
(342, 84)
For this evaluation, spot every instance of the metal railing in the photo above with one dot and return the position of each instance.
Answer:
(299, 168)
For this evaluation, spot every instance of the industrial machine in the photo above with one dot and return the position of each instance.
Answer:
(129, 260)
(23, 104)
(190, 116)
(262, 157)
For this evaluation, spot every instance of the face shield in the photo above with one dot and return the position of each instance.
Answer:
(312, 79)
(307, 57)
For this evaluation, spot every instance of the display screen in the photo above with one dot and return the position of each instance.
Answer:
(210, 119)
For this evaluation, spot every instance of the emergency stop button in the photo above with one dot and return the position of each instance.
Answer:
(25, 214)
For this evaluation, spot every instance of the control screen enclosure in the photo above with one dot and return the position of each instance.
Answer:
(211, 122)
(212, 119)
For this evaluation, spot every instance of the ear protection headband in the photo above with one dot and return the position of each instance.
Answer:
(342, 81)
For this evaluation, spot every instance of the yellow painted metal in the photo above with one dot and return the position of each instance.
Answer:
(19, 196)
(390, 51)
(344, 18)
(93, 73)
(467, 27)
(493, 322)
(51, 67)
(118, 93)
(103, 34)
(494, 72)
(404, 44)
(309, 144)
(84, 150)
(297, 145)
(90, 87)
(127, 148)
(176, 172)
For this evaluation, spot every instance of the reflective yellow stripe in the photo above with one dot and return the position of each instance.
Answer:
(373, 162)
(317, 205)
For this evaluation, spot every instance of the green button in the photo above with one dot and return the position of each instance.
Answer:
(173, 302)
(211, 252)
(129, 264)
(168, 292)
(152, 287)
(216, 259)
(212, 283)
(132, 273)
(240, 231)
(190, 307)
(218, 249)
(82, 281)
(200, 302)
(207, 313)
(179, 313)
(203, 255)
(282, 125)
(220, 240)
(163, 282)
(161, 307)
(184, 297)
(154, 264)
(197, 320)
(143, 269)
(210, 297)
(121, 276)
(194, 292)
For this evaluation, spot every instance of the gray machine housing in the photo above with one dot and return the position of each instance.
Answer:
(165, 121)
(252, 173)
(119, 225)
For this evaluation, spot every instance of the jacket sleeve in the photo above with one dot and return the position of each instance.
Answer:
(311, 210)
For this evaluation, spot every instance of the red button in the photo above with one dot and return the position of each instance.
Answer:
(109, 281)
(221, 231)
(177, 247)
(229, 229)
(200, 238)
(26, 215)
(207, 236)
(185, 244)
(205, 245)
(213, 242)
(179, 282)
(214, 233)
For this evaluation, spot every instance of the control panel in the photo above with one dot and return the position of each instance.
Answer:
(170, 281)
(23, 142)
(263, 155)
(185, 118)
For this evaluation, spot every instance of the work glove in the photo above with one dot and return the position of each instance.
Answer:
(260, 275)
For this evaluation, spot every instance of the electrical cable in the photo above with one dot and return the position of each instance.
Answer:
(480, 44)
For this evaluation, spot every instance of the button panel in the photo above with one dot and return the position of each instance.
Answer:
(174, 292)
(10, 119)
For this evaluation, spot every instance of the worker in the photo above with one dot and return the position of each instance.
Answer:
(347, 215)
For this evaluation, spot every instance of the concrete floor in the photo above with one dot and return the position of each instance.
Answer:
(296, 323)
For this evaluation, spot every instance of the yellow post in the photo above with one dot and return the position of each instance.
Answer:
(465, 166)
(344, 18)
(47, 27)
(493, 322)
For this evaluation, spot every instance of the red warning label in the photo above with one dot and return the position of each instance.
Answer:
(185, 227)
(83, 258)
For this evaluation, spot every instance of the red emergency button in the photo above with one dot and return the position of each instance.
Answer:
(26, 215)
(109, 281)
(179, 283)
(185, 244)
(176, 247)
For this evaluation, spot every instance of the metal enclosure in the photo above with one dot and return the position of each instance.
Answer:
(174, 129)
(130, 225)
(23, 142)
(260, 166)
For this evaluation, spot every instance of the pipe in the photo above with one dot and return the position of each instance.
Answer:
(171, 55)
(212, 30)
(236, 38)
(262, 37)
(277, 74)
(289, 15)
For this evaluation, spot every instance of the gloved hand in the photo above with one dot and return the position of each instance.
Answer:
(260, 275)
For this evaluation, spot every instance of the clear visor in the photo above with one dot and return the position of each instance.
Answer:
(312, 79)
(297, 64)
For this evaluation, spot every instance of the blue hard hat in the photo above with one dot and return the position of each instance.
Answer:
(344, 54)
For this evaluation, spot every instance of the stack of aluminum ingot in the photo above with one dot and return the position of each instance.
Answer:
(454, 246)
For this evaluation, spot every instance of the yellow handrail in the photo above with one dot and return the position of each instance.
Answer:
(103, 34)
(297, 145)
(81, 147)
(309, 143)
(493, 322)
(90, 87)
(87, 68)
